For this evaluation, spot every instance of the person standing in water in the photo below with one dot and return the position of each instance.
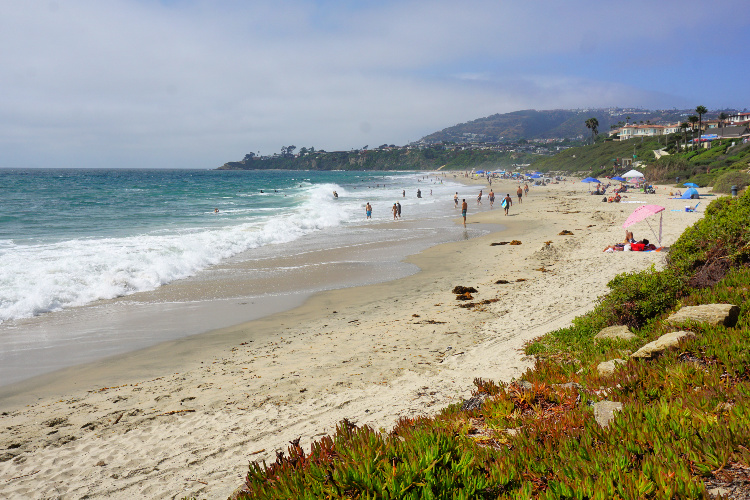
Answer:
(479, 198)
(491, 196)
(398, 209)
(455, 199)
(368, 210)
(464, 208)
(395, 211)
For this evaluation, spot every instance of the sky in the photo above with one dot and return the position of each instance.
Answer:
(194, 84)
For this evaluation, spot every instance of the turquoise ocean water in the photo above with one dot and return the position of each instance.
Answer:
(70, 239)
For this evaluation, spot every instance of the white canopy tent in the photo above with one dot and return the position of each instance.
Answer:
(632, 174)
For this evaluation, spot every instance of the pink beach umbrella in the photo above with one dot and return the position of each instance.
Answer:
(642, 213)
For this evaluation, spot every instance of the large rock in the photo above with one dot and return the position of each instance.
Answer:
(615, 332)
(607, 368)
(658, 346)
(713, 314)
(604, 411)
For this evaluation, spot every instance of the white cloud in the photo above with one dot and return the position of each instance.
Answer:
(197, 83)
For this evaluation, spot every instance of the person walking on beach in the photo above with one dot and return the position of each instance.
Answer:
(508, 203)
(479, 198)
(526, 189)
(491, 196)
(455, 199)
(519, 192)
(464, 208)
(368, 210)
(395, 211)
(398, 209)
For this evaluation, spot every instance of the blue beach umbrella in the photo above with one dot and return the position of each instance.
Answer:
(591, 179)
(691, 184)
(535, 176)
(479, 172)
(618, 178)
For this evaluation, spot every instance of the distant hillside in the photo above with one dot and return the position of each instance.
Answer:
(556, 123)
(425, 158)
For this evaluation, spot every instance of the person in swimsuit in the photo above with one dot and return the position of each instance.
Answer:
(398, 209)
(491, 196)
(455, 199)
(479, 198)
(520, 194)
(368, 210)
(508, 203)
(464, 208)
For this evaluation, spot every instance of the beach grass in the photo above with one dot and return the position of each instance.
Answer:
(683, 429)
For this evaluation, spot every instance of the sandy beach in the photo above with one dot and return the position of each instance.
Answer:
(185, 417)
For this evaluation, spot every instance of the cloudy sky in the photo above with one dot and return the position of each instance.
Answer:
(193, 83)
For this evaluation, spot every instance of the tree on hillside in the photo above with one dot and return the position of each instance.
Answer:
(701, 110)
(593, 125)
(684, 126)
(249, 157)
(693, 120)
(722, 118)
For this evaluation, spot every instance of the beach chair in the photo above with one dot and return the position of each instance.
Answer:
(692, 209)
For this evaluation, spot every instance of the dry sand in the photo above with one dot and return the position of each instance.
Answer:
(185, 418)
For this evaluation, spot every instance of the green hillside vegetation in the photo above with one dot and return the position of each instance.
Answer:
(684, 425)
(430, 158)
(597, 159)
(701, 166)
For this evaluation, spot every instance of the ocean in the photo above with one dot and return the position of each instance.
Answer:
(100, 262)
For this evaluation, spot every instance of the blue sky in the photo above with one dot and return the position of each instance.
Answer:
(192, 83)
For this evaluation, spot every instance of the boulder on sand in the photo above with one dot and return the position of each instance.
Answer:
(713, 314)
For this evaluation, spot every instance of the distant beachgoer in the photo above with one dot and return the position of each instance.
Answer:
(525, 189)
(403, 193)
(491, 196)
(395, 211)
(419, 193)
(430, 192)
(398, 208)
(479, 198)
(464, 208)
(455, 199)
(368, 210)
(335, 194)
(519, 192)
(508, 202)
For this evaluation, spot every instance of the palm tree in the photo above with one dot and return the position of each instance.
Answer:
(693, 120)
(700, 110)
(593, 124)
(684, 126)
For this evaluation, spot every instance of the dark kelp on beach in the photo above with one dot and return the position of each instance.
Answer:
(671, 425)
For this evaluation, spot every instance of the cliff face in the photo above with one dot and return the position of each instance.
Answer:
(394, 159)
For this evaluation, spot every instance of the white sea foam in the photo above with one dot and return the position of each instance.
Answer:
(35, 279)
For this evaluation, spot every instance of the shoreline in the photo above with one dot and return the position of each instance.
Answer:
(399, 348)
(247, 286)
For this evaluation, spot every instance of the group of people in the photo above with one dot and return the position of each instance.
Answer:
(630, 244)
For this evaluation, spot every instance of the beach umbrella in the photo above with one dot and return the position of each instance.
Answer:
(591, 179)
(691, 184)
(618, 178)
(642, 213)
(534, 176)
(632, 173)
(479, 172)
